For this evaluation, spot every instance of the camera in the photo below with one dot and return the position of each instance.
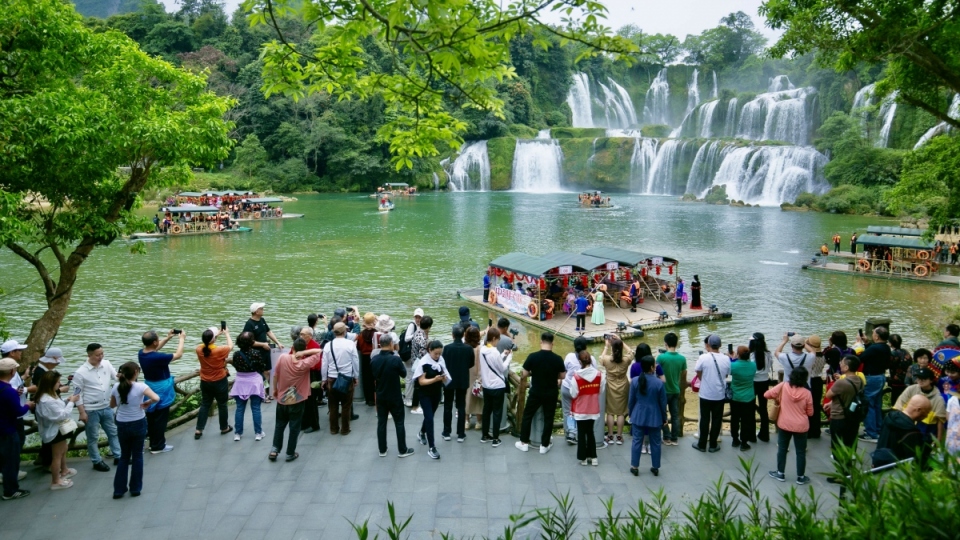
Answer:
(177, 331)
(321, 316)
(661, 350)
(514, 332)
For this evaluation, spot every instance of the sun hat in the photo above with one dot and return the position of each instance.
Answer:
(255, 306)
(814, 343)
(53, 356)
(369, 320)
(385, 324)
(11, 345)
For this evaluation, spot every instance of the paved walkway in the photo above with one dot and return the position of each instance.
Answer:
(217, 488)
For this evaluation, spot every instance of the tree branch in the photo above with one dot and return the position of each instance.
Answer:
(48, 285)
(920, 104)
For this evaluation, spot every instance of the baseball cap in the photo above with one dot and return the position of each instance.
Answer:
(926, 374)
(53, 356)
(713, 340)
(464, 313)
(418, 312)
(6, 364)
(255, 306)
(340, 328)
(11, 345)
(797, 341)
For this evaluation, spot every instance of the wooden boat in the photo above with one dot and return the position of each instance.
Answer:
(589, 199)
(192, 220)
(264, 213)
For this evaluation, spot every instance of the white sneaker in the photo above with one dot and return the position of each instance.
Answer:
(596, 462)
(418, 410)
(259, 437)
(20, 476)
(585, 462)
(166, 448)
(545, 449)
(645, 449)
(522, 447)
(236, 437)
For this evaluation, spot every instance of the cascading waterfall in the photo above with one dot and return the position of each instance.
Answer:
(660, 180)
(693, 91)
(471, 170)
(699, 123)
(543, 134)
(769, 175)
(614, 101)
(730, 121)
(656, 108)
(942, 127)
(641, 162)
(716, 89)
(578, 98)
(537, 166)
(777, 116)
(888, 109)
(618, 110)
(780, 83)
(862, 100)
(705, 165)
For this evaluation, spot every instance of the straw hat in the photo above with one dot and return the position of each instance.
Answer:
(385, 324)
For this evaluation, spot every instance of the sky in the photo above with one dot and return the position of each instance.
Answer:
(677, 17)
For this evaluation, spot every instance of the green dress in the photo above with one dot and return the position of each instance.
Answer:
(598, 317)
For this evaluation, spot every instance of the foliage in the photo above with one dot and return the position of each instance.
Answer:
(500, 152)
(729, 44)
(930, 182)
(597, 163)
(844, 199)
(655, 131)
(854, 158)
(251, 157)
(717, 195)
(577, 133)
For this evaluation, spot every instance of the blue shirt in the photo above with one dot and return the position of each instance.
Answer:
(486, 282)
(10, 409)
(155, 365)
(582, 304)
(679, 293)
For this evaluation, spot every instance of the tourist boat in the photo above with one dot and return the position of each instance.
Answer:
(589, 199)
(192, 220)
(241, 205)
(262, 208)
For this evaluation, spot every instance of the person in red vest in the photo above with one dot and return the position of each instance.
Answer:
(587, 385)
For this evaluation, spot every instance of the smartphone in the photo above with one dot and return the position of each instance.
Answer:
(661, 350)
(489, 323)
(176, 331)
(791, 334)
(76, 390)
(860, 331)
(223, 325)
(730, 348)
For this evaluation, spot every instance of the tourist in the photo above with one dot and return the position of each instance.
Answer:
(248, 384)
(13, 350)
(572, 364)
(952, 439)
(674, 366)
(547, 370)
(932, 424)
(648, 415)
(875, 360)
(950, 336)
(853, 244)
(418, 349)
(388, 369)
(11, 410)
(262, 335)
(900, 363)
(836, 243)
(616, 361)
(430, 375)
(213, 378)
(365, 346)
(812, 346)
(796, 406)
(837, 348)
(843, 430)
(291, 386)
(921, 358)
(50, 412)
(48, 362)
(950, 382)
(712, 368)
(763, 359)
(901, 436)
(598, 317)
(127, 396)
(406, 353)
(471, 337)
(494, 367)
(580, 308)
(93, 381)
(384, 326)
(460, 360)
(795, 357)
(585, 386)
(465, 319)
(506, 346)
(743, 421)
(486, 287)
(824, 250)
(695, 302)
(341, 359)
(679, 296)
(155, 366)
(311, 414)
(954, 250)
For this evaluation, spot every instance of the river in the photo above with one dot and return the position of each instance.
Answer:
(344, 253)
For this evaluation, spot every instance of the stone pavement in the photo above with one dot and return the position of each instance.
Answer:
(217, 488)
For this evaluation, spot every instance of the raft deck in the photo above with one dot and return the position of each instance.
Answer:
(647, 317)
(285, 216)
(839, 268)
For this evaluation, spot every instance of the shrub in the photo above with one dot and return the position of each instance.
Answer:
(810, 200)
(656, 131)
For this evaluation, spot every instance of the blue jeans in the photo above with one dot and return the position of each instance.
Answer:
(874, 394)
(131, 435)
(783, 444)
(671, 431)
(655, 445)
(96, 420)
(254, 408)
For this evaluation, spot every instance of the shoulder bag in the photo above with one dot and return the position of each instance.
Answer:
(727, 389)
(343, 382)
(774, 413)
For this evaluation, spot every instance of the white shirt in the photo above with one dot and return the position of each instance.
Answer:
(572, 364)
(712, 384)
(766, 373)
(347, 359)
(493, 368)
(787, 358)
(132, 410)
(94, 384)
(16, 382)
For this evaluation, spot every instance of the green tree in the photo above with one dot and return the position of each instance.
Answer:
(726, 46)
(251, 157)
(854, 159)
(87, 121)
(438, 48)
(661, 49)
(930, 182)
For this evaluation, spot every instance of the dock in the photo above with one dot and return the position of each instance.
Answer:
(620, 321)
(838, 268)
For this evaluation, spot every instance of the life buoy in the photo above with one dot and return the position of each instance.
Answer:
(533, 310)
(934, 266)
(923, 255)
(921, 270)
(176, 229)
(492, 298)
(256, 215)
(864, 265)
(279, 212)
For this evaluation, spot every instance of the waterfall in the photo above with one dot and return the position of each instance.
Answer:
(888, 109)
(623, 133)
(618, 110)
(543, 134)
(537, 166)
(471, 170)
(436, 181)
(780, 83)
(656, 106)
(693, 90)
(777, 116)
(730, 120)
(661, 178)
(716, 90)
(644, 152)
(770, 175)
(862, 100)
(699, 122)
(942, 127)
(578, 98)
(705, 165)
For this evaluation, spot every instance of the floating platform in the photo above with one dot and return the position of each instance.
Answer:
(139, 236)
(844, 268)
(285, 216)
(647, 317)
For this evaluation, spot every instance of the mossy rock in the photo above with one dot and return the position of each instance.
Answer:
(688, 197)
(717, 195)
(500, 152)
(656, 131)
(577, 133)
(602, 163)
(522, 131)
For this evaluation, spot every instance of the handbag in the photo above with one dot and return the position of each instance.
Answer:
(695, 383)
(774, 413)
(68, 426)
(477, 389)
(343, 382)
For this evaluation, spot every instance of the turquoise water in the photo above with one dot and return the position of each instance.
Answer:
(343, 252)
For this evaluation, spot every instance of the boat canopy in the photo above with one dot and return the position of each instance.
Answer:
(582, 263)
(190, 209)
(521, 263)
(894, 241)
(898, 231)
(262, 200)
(189, 194)
(397, 184)
(624, 256)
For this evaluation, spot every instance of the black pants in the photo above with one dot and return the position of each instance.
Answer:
(10, 463)
(586, 440)
(288, 415)
(366, 379)
(208, 392)
(486, 296)
(157, 427)
(743, 423)
(836, 247)
(394, 408)
(340, 409)
(679, 304)
(816, 388)
(492, 412)
(534, 402)
(311, 415)
(455, 397)
(581, 320)
(711, 420)
(759, 387)
(843, 433)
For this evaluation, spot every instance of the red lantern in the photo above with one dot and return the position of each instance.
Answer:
(542, 284)
(566, 281)
(658, 270)
(670, 269)
(643, 272)
(626, 275)
(613, 276)
(583, 280)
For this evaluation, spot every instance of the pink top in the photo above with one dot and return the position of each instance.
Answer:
(292, 378)
(796, 407)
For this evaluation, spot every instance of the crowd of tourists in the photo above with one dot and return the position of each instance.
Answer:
(470, 376)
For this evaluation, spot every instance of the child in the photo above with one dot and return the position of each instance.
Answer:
(922, 356)
(950, 382)
(581, 311)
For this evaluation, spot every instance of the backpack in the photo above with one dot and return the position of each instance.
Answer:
(406, 346)
(856, 410)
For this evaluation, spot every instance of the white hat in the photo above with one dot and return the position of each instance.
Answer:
(216, 329)
(418, 312)
(53, 356)
(385, 324)
(11, 345)
(255, 306)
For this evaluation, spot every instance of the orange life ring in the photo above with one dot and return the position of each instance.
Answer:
(279, 212)
(934, 266)
(923, 255)
(256, 215)
(176, 229)
(921, 270)
(533, 310)
(864, 265)
(492, 298)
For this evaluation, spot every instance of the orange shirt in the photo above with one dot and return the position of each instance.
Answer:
(213, 367)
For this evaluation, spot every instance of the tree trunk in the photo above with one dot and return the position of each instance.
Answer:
(46, 327)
